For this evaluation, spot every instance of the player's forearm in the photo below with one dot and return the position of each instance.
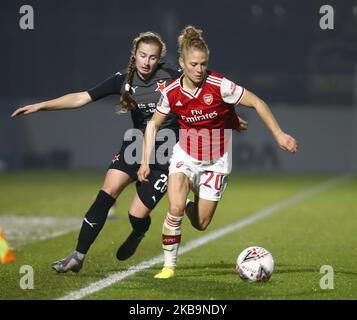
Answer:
(68, 101)
(268, 118)
(249, 99)
(149, 141)
(151, 130)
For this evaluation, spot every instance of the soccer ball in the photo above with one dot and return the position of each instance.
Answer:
(255, 264)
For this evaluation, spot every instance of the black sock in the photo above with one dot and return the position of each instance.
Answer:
(94, 221)
(140, 225)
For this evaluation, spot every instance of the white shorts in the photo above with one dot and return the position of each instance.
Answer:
(208, 178)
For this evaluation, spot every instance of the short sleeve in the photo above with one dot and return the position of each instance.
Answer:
(163, 105)
(231, 92)
(112, 85)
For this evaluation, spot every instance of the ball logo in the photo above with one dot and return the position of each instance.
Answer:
(251, 254)
(208, 98)
(255, 264)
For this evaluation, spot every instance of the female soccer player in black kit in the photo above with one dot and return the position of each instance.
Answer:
(139, 87)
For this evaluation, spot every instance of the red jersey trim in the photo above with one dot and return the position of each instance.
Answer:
(241, 95)
(161, 112)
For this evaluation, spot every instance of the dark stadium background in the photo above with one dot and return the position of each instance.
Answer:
(302, 207)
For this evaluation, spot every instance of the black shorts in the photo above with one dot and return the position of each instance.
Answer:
(150, 193)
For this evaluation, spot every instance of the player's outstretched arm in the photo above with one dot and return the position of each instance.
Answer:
(68, 101)
(284, 140)
(149, 142)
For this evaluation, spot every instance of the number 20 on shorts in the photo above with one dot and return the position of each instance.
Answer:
(213, 180)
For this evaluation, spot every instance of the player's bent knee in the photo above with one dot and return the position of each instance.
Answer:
(112, 192)
(177, 210)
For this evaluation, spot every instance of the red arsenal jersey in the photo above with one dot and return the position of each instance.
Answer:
(206, 117)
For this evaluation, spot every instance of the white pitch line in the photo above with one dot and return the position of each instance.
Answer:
(116, 277)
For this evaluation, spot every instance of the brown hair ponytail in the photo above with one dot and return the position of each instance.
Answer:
(127, 100)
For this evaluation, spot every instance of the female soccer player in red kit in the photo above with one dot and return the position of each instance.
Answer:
(204, 104)
(139, 87)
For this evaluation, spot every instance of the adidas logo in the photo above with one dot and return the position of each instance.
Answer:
(178, 104)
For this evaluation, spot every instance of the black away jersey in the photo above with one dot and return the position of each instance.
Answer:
(146, 93)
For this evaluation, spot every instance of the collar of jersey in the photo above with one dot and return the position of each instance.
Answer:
(145, 82)
(197, 91)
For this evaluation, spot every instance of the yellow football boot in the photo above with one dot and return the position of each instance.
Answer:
(165, 273)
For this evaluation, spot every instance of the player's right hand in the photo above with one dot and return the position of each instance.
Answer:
(26, 110)
(287, 142)
(143, 173)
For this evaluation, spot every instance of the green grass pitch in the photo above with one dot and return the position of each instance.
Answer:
(319, 230)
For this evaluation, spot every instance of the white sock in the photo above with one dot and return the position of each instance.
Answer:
(171, 238)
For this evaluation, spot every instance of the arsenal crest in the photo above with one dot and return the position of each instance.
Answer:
(208, 98)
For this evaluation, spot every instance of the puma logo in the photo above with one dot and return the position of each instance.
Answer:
(92, 224)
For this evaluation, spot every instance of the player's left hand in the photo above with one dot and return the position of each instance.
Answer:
(287, 142)
(243, 125)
